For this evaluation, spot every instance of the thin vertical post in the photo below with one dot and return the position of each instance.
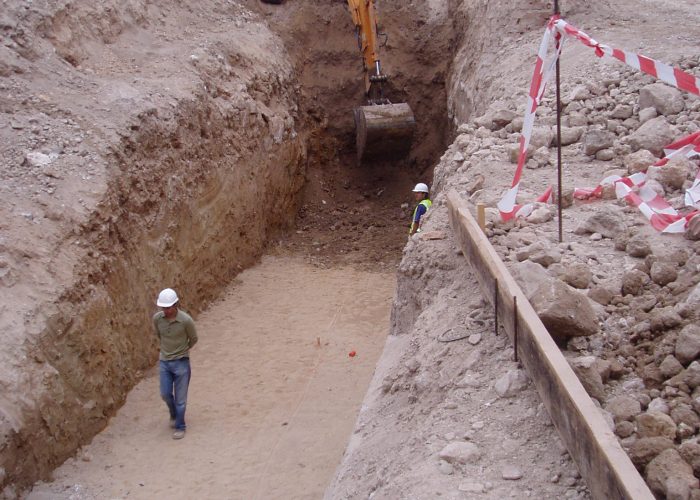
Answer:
(559, 181)
(515, 327)
(495, 307)
(481, 216)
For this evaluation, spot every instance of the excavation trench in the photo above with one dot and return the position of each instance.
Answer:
(256, 156)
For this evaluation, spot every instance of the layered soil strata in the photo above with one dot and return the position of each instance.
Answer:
(144, 145)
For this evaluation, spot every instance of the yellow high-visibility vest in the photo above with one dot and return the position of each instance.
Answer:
(427, 204)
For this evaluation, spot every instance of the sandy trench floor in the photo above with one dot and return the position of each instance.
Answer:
(269, 410)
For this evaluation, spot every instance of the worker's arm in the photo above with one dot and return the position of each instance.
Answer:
(191, 333)
(415, 223)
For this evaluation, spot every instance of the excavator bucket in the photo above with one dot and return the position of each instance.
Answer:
(384, 131)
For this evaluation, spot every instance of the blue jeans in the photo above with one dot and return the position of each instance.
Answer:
(174, 381)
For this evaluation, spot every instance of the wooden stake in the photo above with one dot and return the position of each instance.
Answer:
(481, 216)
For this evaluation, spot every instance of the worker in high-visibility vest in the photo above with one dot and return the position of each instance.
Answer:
(421, 194)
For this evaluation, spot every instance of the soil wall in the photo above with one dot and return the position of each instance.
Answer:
(146, 146)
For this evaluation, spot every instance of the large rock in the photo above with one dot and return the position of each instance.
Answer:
(690, 308)
(690, 451)
(511, 383)
(670, 367)
(670, 476)
(663, 273)
(460, 452)
(653, 135)
(608, 223)
(564, 312)
(633, 282)
(688, 344)
(639, 161)
(692, 232)
(578, 275)
(655, 424)
(597, 140)
(664, 99)
(623, 408)
(530, 276)
(638, 246)
(671, 176)
(587, 372)
(644, 450)
(495, 119)
(570, 135)
(541, 136)
(689, 377)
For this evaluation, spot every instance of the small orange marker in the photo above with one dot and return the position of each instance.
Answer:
(352, 354)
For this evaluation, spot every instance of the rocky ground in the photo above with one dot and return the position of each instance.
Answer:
(140, 139)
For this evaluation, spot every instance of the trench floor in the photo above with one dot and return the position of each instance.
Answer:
(273, 398)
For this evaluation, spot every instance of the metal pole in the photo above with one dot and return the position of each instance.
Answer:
(559, 187)
(495, 306)
(515, 327)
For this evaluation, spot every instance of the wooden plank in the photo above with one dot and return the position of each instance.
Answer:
(602, 462)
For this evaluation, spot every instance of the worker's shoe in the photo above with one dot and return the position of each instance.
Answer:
(179, 434)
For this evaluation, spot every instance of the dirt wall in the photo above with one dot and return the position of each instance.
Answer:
(170, 157)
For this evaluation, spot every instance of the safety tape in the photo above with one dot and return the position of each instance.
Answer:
(689, 147)
(556, 30)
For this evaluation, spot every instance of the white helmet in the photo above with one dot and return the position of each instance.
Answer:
(167, 298)
(421, 188)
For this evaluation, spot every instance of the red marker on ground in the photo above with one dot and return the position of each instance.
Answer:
(352, 354)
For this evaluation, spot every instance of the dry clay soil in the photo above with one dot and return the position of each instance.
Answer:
(639, 24)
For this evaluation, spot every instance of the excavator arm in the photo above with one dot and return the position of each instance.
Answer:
(382, 129)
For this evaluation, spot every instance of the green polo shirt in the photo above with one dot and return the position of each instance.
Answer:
(177, 336)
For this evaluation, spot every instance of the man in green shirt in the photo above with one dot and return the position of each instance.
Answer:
(177, 335)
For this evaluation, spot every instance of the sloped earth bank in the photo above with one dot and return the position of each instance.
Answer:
(453, 433)
(270, 407)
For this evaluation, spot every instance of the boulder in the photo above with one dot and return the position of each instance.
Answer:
(670, 476)
(652, 135)
(664, 318)
(587, 372)
(633, 282)
(689, 377)
(622, 112)
(638, 246)
(655, 424)
(644, 450)
(570, 135)
(688, 344)
(608, 223)
(639, 161)
(601, 295)
(665, 99)
(511, 383)
(460, 452)
(623, 408)
(670, 367)
(541, 136)
(647, 114)
(684, 414)
(564, 312)
(663, 273)
(692, 232)
(690, 451)
(671, 176)
(578, 275)
(597, 140)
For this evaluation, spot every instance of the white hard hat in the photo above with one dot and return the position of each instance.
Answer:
(167, 298)
(421, 188)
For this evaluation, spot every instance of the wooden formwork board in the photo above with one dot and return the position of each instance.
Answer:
(602, 462)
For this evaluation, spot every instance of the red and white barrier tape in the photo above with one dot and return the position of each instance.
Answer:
(556, 29)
